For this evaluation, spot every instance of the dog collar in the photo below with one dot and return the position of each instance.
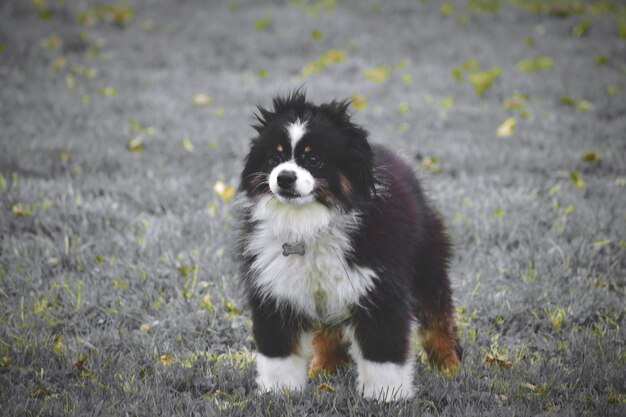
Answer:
(297, 248)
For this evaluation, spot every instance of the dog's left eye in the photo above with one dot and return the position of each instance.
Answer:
(313, 161)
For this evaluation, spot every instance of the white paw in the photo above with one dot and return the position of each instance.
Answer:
(276, 374)
(385, 381)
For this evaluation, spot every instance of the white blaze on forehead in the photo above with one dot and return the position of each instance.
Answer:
(295, 131)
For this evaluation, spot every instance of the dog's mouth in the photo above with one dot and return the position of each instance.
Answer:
(289, 194)
(294, 198)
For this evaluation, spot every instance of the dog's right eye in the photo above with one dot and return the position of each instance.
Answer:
(276, 159)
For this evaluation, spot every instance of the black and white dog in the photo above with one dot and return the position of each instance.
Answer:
(339, 249)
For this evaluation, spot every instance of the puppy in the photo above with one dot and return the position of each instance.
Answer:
(339, 249)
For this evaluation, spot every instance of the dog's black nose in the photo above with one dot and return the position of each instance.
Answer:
(286, 179)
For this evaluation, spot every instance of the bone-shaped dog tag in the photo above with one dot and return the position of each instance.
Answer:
(293, 248)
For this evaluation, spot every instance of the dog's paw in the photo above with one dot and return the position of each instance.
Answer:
(386, 381)
(277, 374)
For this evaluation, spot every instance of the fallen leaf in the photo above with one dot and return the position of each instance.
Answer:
(378, 74)
(324, 387)
(502, 363)
(136, 144)
(359, 102)
(507, 128)
(592, 157)
(224, 191)
(166, 359)
(188, 145)
(202, 100)
(483, 80)
(577, 180)
(317, 35)
(108, 91)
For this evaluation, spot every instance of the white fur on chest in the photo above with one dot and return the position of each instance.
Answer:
(320, 283)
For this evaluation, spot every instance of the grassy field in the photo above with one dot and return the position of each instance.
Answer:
(122, 131)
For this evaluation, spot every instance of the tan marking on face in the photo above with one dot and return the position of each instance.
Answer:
(307, 149)
(279, 148)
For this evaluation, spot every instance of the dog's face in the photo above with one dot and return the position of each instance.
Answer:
(305, 153)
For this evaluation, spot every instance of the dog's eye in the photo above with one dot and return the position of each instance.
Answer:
(313, 161)
(276, 159)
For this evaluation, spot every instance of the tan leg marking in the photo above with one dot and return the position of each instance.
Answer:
(329, 351)
(439, 344)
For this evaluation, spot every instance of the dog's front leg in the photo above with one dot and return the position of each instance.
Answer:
(381, 333)
(280, 361)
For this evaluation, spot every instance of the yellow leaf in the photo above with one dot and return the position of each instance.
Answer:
(324, 387)
(108, 91)
(188, 145)
(507, 128)
(166, 359)
(145, 328)
(224, 191)
(377, 74)
(207, 303)
(317, 35)
(333, 56)
(202, 100)
(577, 180)
(136, 144)
(359, 102)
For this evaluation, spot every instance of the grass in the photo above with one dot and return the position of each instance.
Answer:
(125, 124)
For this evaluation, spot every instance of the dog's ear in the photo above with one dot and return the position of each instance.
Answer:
(362, 160)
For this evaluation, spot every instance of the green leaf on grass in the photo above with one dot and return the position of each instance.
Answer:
(485, 6)
(136, 144)
(601, 243)
(554, 189)
(447, 9)
(581, 28)
(3, 48)
(317, 35)
(188, 145)
(483, 80)
(613, 90)
(52, 43)
(581, 105)
(601, 59)
(539, 63)
(262, 24)
(577, 179)
(592, 157)
(457, 74)
(108, 91)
